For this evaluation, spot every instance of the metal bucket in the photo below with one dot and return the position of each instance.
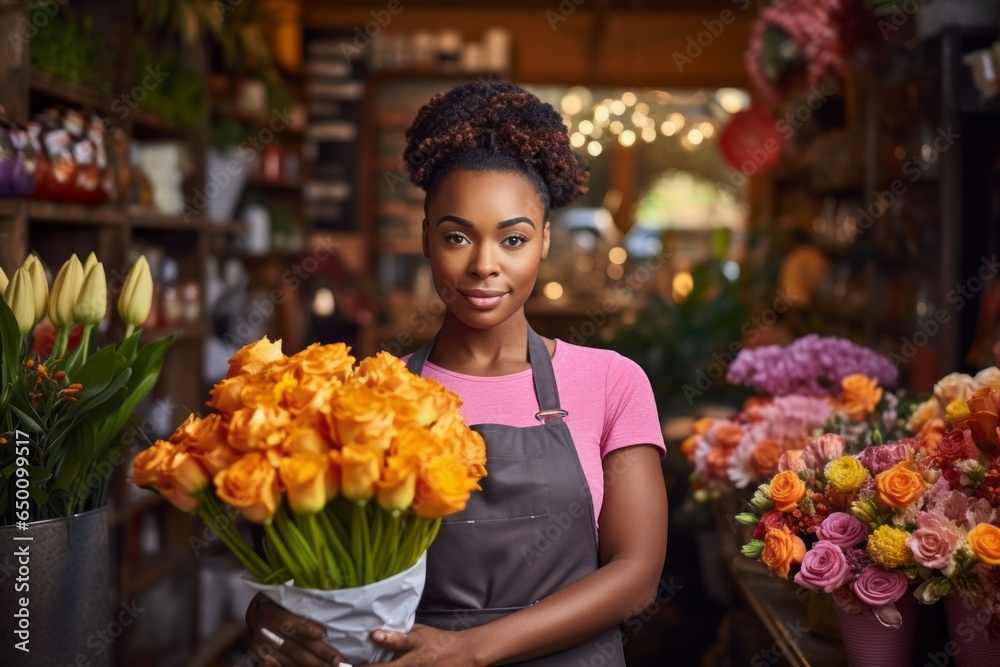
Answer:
(61, 568)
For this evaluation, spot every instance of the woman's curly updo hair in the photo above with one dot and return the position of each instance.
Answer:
(495, 126)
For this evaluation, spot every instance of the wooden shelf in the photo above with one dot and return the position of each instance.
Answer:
(148, 125)
(290, 187)
(69, 93)
(10, 208)
(222, 640)
(66, 213)
(148, 571)
(145, 218)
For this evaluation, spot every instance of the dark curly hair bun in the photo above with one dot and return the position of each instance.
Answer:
(489, 125)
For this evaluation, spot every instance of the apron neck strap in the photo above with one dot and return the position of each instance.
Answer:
(541, 370)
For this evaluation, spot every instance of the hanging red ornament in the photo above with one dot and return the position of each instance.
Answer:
(752, 142)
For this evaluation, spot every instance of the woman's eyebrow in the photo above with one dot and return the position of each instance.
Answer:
(500, 225)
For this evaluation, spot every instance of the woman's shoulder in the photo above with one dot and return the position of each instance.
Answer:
(593, 359)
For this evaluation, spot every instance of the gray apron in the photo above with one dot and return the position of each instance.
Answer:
(526, 535)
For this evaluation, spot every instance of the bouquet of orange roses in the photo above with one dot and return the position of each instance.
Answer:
(348, 470)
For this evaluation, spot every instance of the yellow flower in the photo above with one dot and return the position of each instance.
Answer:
(255, 357)
(4, 281)
(846, 474)
(462, 442)
(360, 468)
(136, 297)
(398, 486)
(887, 547)
(89, 262)
(384, 370)
(39, 285)
(957, 411)
(20, 297)
(443, 487)
(92, 302)
(205, 438)
(304, 475)
(984, 540)
(859, 396)
(65, 292)
(251, 486)
(899, 486)
(326, 361)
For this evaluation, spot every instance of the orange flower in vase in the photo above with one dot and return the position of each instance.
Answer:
(984, 419)
(859, 396)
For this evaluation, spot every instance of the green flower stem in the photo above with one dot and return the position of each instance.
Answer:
(340, 551)
(326, 566)
(407, 544)
(298, 546)
(85, 341)
(62, 336)
(286, 557)
(361, 542)
(210, 513)
(389, 547)
(129, 328)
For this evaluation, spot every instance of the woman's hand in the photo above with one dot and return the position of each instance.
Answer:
(424, 646)
(283, 638)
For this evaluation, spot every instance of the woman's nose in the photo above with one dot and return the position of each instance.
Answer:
(483, 263)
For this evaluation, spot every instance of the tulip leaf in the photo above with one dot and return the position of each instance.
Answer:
(10, 350)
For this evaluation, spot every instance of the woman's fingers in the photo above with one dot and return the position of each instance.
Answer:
(288, 640)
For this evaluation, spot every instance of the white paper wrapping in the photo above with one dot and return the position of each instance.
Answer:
(352, 614)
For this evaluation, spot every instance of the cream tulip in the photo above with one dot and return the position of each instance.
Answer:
(65, 292)
(136, 297)
(90, 261)
(93, 300)
(39, 285)
(20, 296)
(3, 281)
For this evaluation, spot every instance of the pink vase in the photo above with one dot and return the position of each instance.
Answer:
(973, 645)
(868, 643)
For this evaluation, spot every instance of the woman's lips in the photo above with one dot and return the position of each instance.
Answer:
(482, 298)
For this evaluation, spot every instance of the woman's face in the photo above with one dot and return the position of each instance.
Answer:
(485, 236)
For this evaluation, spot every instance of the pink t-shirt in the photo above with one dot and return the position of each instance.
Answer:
(608, 398)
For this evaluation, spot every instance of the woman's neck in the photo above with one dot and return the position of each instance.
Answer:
(499, 350)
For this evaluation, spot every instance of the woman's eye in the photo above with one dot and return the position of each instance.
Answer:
(514, 241)
(454, 237)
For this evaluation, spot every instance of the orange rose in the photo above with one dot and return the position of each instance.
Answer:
(688, 447)
(925, 412)
(226, 394)
(257, 428)
(385, 371)
(984, 409)
(255, 357)
(764, 459)
(176, 476)
(728, 435)
(398, 486)
(360, 414)
(781, 550)
(718, 462)
(360, 468)
(457, 439)
(205, 438)
(442, 488)
(984, 540)
(324, 361)
(787, 490)
(930, 436)
(899, 486)
(859, 396)
(306, 477)
(251, 486)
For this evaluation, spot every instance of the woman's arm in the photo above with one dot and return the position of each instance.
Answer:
(633, 541)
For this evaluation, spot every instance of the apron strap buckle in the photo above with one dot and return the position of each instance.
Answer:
(544, 415)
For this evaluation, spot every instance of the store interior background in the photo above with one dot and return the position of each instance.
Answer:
(675, 258)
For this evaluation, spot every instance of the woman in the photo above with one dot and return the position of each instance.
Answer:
(522, 575)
